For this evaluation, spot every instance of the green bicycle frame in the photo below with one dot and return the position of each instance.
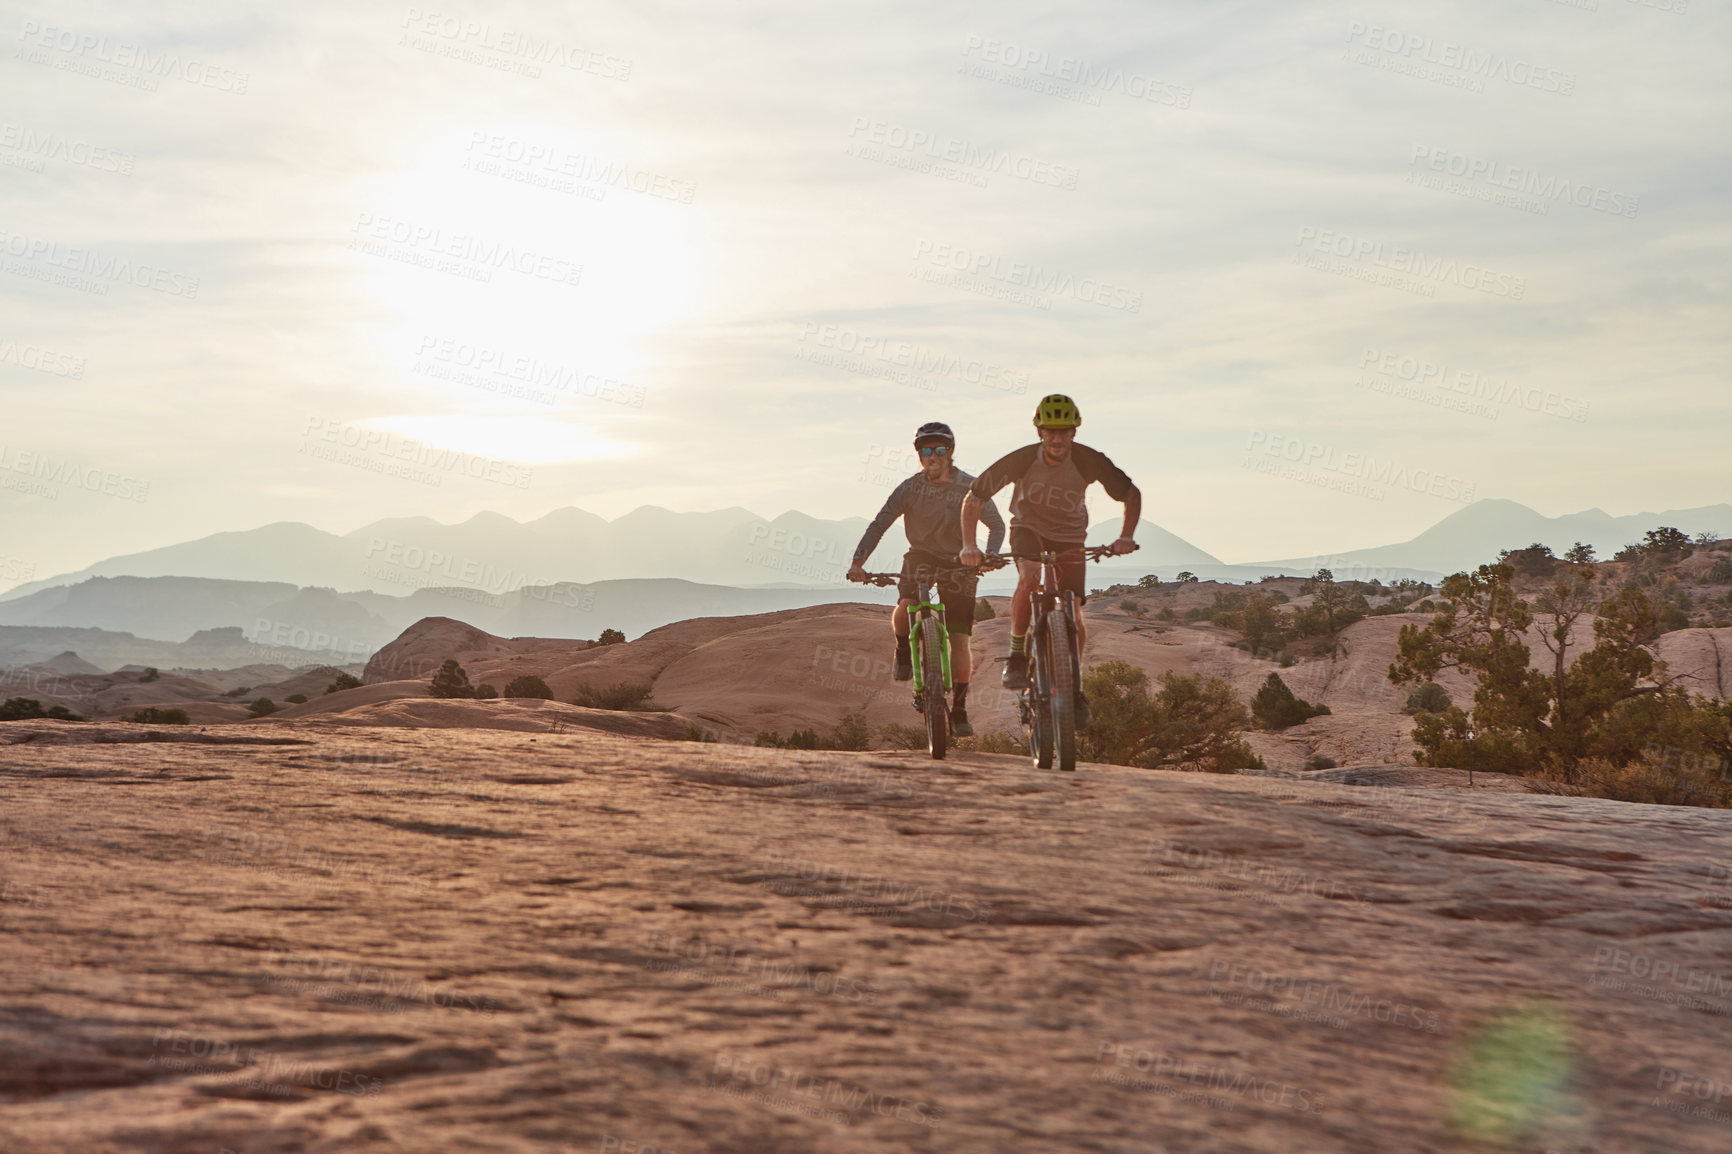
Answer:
(943, 643)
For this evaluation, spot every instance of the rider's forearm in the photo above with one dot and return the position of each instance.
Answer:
(970, 521)
(1133, 512)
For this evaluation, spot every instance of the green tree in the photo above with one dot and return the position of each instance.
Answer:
(1192, 721)
(1608, 703)
(150, 674)
(1580, 554)
(343, 681)
(450, 681)
(1149, 581)
(151, 715)
(1428, 698)
(1275, 706)
(611, 637)
(1534, 561)
(30, 709)
(263, 707)
(1185, 577)
(528, 685)
(296, 699)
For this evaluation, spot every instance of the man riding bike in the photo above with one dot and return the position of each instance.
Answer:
(928, 503)
(1047, 514)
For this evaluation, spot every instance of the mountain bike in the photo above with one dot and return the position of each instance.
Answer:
(930, 641)
(1048, 705)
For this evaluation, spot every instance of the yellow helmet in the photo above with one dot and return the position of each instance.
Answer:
(1057, 411)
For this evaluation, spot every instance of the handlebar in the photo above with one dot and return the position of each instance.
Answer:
(989, 562)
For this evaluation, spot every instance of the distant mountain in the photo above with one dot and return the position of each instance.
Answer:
(1474, 535)
(493, 553)
(146, 617)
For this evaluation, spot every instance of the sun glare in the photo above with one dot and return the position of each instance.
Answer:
(527, 439)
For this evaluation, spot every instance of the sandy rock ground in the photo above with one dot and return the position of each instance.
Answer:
(299, 936)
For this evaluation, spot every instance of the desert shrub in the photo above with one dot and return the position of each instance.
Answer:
(1275, 706)
(1653, 779)
(1319, 761)
(450, 681)
(983, 610)
(1287, 659)
(895, 735)
(30, 709)
(693, 733)
(150, 674)
(529, 685)
(1165, 614)
(151, 715)
(997, 741)
(1192, 721)
(296, 699)
(621, 695)
(343, 681)
(851, 732)
(1132, 608)
(1148, 581)
(610, 637)
(1534, 561)
(486, 691)
(241, 692)
(1721, 572)
(1662, 545)
(1428, 698)
(263, 707)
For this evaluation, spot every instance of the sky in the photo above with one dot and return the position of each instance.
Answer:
(1316, 275)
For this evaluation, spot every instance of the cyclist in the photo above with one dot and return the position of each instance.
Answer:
(929, 503)
(1047, 514)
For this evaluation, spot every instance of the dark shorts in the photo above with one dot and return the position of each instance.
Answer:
(956, 591)
(1071, 563)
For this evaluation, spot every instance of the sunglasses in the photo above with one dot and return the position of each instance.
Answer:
(941, 450)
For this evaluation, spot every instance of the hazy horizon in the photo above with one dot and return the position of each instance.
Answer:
(1316, 281)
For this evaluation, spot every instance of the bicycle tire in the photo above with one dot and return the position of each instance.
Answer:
(937, 703)
(1063, 694)
(1040, 705)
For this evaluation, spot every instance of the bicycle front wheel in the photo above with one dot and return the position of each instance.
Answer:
(1062, 676)
(937, 703)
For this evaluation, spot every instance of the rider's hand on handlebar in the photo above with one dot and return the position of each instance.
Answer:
(857, 572)
(1122, 546)
(969, 557)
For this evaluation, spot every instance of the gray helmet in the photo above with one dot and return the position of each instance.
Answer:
(935, 432)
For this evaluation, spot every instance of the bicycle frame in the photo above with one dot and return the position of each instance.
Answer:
(920, 612)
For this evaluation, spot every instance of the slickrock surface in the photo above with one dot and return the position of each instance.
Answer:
(309, 937)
